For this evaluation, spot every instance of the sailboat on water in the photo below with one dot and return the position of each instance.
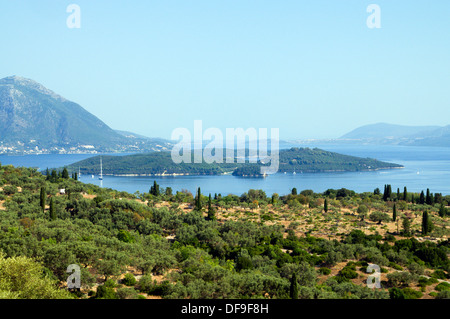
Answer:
(101, 170)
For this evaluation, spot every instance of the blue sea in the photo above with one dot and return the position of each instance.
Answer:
(425, 167)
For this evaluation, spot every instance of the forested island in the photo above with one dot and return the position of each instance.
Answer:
(291, 160)
(174, 244)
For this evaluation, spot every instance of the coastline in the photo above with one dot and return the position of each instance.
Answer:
(254, 175)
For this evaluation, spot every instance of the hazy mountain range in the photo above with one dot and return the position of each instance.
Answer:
(383, 133)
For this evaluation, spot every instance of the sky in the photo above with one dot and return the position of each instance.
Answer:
(313, 69)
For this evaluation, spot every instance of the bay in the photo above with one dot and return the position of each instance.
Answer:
(425, 167)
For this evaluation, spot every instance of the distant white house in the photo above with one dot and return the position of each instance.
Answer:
(62, 191)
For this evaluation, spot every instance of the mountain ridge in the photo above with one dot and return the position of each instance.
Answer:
(36, 119)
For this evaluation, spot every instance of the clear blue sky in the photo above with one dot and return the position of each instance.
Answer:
(313, 69)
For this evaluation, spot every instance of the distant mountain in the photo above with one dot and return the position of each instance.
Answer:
(296, 160)
(388, 131)
(383, 133)
(437, 137)
(35, 119)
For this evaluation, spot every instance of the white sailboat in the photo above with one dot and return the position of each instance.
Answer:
(101, 170)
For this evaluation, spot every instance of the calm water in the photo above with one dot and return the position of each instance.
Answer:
(425, 167)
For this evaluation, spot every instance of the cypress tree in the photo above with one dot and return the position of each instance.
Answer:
(54, 176)
(325, 206)
(437, 198)
(65, 173)
(398, 193)
(405, 194)
(52, 209)
(42, 198)
(47, 175)
(394, 213)
(428, 200)
(198, 202)
(211, 210)
(425, 223)
(442, 210)
(406, 226)
(422, 198)
(387, 192)
(294, 287)
(154, 190)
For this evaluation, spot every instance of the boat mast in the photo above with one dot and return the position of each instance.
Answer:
(101, 170)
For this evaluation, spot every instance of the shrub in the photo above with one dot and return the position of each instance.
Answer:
(244, 262)
(125, 236)
(23, 278)
(146, 284)
(396, 293)
(442, 286)
(104, 292)
(439, 274)
(324, 271)
(9, 190)
(127, 293)
(399, 279)
(411, 293)
(395, 266)
(445, 294)
(423, 281)
(110, 283)
(346, 273)
(389, 238)
(129, 280)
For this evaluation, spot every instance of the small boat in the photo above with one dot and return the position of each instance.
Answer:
(92, 176)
